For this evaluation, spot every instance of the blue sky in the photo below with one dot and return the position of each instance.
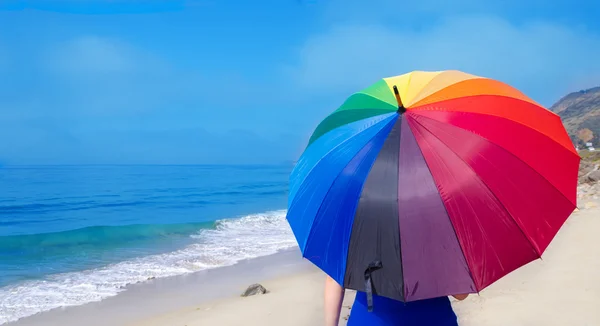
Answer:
(186, 82)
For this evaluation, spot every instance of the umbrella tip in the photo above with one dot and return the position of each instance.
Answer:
(401, 108)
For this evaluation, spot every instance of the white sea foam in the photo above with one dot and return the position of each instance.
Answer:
(231, 241)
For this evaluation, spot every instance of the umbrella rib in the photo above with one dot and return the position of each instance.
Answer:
(487, 186)
(462, 250)
(376, 98)
(392, 106)
(425, 86)
(329, 189)
(433, 107)
(506, 150)
(404, 294)
(312, 139)
(331, 150)
(424, 97)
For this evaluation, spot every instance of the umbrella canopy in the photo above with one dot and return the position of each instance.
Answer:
(430, 184)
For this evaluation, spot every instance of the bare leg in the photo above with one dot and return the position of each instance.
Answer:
(334, 295)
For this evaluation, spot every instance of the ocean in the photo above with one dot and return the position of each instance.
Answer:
(70, 235)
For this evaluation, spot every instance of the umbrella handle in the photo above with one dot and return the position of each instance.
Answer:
(401, 108)
(375, 265)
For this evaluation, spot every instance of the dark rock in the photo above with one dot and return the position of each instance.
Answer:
(594, 176)
(254, 289)
(585, 168)
(588, 172)
(584, 180)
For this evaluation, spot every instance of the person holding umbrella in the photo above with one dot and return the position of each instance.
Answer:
(424, 186)
(437, 311)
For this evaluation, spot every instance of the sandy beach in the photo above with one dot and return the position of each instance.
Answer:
(561, 289)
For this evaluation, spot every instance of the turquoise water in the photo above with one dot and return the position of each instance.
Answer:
(76, 234)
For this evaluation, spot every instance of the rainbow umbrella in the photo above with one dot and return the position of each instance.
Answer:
(430, 184)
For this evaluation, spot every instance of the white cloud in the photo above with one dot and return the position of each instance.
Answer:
(542, 59)
(101, 76)
(93, 55)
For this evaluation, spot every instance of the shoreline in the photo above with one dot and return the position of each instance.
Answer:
(228, 242)
(175, 292)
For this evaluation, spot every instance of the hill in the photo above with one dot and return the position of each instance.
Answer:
(580, 113)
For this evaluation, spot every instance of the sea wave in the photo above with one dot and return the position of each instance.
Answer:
(39, 208)
(226, 243)
(96, 235)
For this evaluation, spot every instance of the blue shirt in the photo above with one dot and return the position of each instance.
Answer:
(388, 312)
